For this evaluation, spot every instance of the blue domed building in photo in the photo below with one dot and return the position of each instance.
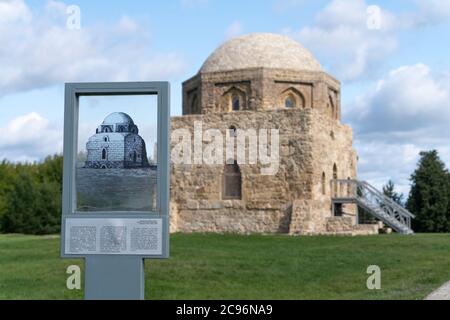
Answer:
(116, 144)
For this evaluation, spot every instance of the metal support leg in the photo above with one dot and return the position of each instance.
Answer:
(110, 277)
(357, 213)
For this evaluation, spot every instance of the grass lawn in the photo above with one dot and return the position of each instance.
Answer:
(213, 266)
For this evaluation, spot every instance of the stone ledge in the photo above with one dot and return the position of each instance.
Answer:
(212, 204)
(263, 205)
(339, 224)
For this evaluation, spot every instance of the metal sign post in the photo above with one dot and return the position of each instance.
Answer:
(115, 241)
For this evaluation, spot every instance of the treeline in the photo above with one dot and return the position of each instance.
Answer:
(30, 196)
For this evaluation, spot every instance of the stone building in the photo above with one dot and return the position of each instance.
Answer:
(116, 144)
(264, 81)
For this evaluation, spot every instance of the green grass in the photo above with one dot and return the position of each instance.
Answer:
(213, 266)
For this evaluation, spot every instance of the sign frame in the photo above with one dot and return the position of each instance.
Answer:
(73, 91)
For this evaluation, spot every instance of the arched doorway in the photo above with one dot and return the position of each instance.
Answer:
(232, 182)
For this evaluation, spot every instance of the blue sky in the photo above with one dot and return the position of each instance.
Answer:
(395, 78)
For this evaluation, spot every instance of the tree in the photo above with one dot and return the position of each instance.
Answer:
(51, 170)
(389, 191)
(19, 212)
(429, 195)
(448, 205)
(30, 196)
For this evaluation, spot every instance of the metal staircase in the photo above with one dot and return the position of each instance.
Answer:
(372, 200)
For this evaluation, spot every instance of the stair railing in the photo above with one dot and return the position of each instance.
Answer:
(348, 190)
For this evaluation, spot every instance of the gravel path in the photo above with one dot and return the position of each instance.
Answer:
(442, 293)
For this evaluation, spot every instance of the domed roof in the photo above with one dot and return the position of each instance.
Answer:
(118, 117)
(261, 50)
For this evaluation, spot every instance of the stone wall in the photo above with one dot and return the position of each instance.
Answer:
(297, 199)
(119, 147)
(114, 147)
(332, 146)
(289, 201)
(263, 89)
(134, 143)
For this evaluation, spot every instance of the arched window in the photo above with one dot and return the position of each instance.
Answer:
(105, 138)
(195, 105)
(291, 98)
(349, 187)
(235, 103)
(335, 184)
(232, 182)
(104, 154)
(232, 131)
(134, 156)
(289, 102)
(233, 99)
(324, 191)
(331, 108)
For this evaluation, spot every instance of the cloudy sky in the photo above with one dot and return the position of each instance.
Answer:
(394, 64)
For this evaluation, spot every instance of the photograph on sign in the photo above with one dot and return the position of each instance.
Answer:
(116, 164)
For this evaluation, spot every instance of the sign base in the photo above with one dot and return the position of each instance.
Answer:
(114, 278)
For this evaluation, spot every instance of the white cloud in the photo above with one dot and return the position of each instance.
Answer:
(430, 12)
(14, 11)
(407, 111)
(29, 137)
(383, 160)
(342, 13)
(407, 99)
(380, 161)
(126, 24)
(38, 50)
(342, 40)
(233, 30)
